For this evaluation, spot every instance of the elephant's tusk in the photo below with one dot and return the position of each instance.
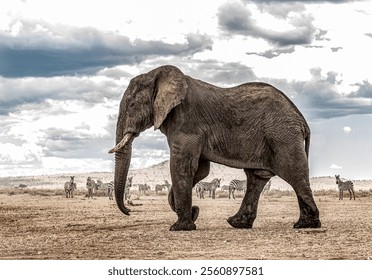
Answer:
(122, 143)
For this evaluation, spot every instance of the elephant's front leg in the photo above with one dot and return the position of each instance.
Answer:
(180, 201)
(183, 168)
(248, 209)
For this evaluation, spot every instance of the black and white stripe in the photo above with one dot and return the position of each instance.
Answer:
(128, 185)
(70, 187)
(211, 187)
(91, 186)
(110, 190)
(344, 186)
(106, 188)
(143, 188)
(237, 185)
(159, 188)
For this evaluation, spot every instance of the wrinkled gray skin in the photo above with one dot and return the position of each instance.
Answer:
(253, 126)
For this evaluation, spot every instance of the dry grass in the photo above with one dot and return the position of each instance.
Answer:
(219, 194)
(43, 224)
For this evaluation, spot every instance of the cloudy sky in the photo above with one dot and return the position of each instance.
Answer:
(64, 67)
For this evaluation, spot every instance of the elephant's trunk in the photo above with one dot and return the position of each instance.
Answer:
(122, 162)
(123, 154)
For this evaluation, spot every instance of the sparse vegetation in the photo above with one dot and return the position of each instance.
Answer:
(363, 193)
(326, 193)
(219, 194)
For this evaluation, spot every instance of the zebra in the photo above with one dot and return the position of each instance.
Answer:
(100, 186)
(266, 188)
(128, 185)
(91, 186)
(344, 186)
(70, 187)
(109, 187)
(201, 187)
(161, 187)
(143, 188)
(110, 190)
(237, 185)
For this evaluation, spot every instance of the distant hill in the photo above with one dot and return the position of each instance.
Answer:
(156, 174)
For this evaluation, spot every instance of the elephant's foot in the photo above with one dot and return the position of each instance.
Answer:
(194, 213)
(186, 226)
(307, 223)
(241, 221)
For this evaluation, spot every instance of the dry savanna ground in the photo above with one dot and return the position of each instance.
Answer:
(43, 224)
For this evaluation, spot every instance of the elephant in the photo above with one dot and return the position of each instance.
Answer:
(253, 126)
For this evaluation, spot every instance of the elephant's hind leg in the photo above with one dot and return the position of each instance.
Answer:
(292, 166)
(298, 178)
(247, 213)
(309, 213)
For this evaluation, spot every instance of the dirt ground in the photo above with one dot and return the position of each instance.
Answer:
(49, 226)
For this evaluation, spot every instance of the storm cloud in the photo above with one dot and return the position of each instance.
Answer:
(62, 77)
(320, 98)
(28, 92)
(40, 49)
(236, 18)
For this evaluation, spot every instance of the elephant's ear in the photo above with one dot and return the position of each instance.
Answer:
(170, 90)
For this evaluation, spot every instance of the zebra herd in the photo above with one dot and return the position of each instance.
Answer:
(241, 185)
(91, 186)
(94, 187)
(235, 185)
(201, 187)
(211, 187)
